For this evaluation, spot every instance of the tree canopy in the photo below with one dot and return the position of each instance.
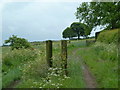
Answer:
(17, 43)
(68, 33)
(99, 13)
(76, 29)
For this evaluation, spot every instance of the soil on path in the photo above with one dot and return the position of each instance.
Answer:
(88, 77)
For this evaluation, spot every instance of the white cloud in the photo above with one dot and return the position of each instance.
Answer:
(38, 21)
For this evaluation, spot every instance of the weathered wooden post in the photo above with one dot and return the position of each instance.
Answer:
(64, 55)
(49, 52)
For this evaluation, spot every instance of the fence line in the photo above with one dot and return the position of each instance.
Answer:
(63, 54)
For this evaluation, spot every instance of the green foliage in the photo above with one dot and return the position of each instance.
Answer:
(36, 74)
(80, 29)
(106, 51)
(11, 63)
(13, 59)
(99, 13)
(36, 69)
(102, 60)
(52, 80)
(76, 30)
(17, 43)
(68, 33)
(30, 66)
(75, 66)
(13, 75)
(108, 37)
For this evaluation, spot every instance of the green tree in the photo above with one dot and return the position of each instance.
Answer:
(99, 13)
(87, 30)
(68, 33)
(80, 29)
(17, 43)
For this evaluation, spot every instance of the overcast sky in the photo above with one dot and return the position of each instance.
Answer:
(37, 21)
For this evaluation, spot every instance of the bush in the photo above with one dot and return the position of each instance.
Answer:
(17, 43)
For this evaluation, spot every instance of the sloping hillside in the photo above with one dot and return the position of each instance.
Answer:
(109, 36)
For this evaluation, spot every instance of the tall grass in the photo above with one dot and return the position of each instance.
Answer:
(75, 68)
(33, 72)
(11, 63)
(30, 66)
(109, 36)
(77, 44)
(102, 60)
(37, 74)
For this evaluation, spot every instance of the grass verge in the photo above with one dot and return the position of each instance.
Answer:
(102, 60)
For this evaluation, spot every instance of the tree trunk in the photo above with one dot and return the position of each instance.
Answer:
(113, 23)
(78, 36)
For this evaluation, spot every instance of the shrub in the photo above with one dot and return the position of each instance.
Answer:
(17, 43)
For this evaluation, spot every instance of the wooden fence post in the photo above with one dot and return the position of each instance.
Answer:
(49, 52)
(64, 55)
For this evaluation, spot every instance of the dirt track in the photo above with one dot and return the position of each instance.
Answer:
(88, 77)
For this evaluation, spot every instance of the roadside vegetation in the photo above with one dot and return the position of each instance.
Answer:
(11, 63)
(30, 70)
(24, 64)
(102, 58)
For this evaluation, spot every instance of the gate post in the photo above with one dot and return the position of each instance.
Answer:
(64, 55)
(49, 52)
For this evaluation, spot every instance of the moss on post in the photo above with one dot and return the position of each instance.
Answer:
(64, 55)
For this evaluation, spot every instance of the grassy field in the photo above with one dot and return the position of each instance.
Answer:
(28, 68)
